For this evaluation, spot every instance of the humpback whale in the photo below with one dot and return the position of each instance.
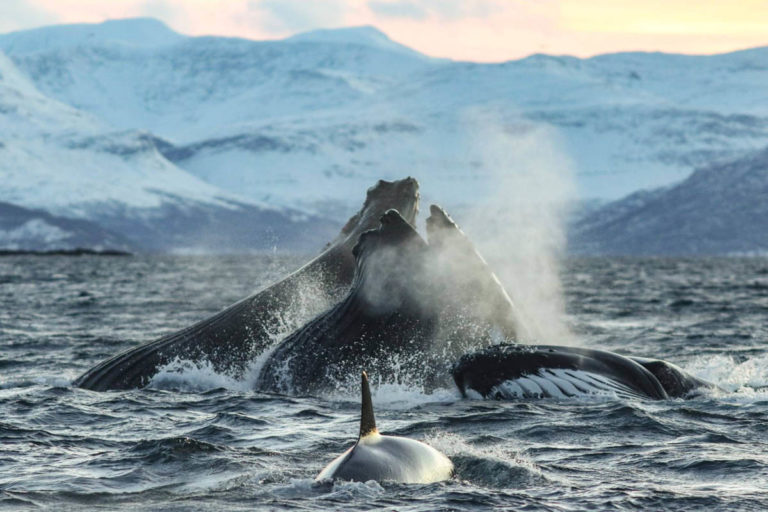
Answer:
(476, 297)
(379, 457)
(413, 308)
(524, 371)
(231, 339)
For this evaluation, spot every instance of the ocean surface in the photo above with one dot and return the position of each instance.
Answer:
(196, 440)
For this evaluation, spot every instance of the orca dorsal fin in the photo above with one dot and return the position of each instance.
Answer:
(367, 421)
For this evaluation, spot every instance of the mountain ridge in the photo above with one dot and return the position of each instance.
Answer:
(142, 26)
(305, 124)
(626, 120)
(142, 32)
(24, 229)
(720, 209)
(56, 158)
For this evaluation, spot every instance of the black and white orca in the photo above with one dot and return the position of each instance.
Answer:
(386, 458)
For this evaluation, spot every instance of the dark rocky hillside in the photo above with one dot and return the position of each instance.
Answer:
(720, 210)
(23, 229)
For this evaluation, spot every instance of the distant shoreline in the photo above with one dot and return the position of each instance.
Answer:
(65, 252)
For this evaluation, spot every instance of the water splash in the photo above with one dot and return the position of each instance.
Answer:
(519, 224)
(338, 490)
(396, 395)
(489, 466)
(195, 377)
(745, 380)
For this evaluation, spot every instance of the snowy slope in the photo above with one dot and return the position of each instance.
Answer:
(198, 86)
(339, 108)
(140, 32)
(356, 36)
(94, 164)
(720, 209)
(69, 163)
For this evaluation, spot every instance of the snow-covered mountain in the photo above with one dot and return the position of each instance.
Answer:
(70, 163)
(720, 209)
(341, 108)
(136, 121)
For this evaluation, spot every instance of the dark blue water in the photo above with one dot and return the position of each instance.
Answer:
(198, 440)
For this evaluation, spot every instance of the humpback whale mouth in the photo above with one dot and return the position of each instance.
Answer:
(393, 231)
(383, 321)
(401, 195)
(413, 308)
(476, 290)
(391, 270)
(232, 338)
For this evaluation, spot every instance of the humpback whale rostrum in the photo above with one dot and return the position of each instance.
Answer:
(231, 339)
(386, 458)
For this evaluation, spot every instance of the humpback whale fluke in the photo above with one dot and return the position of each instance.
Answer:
(386, 458)
(526, 371)
(230, 339)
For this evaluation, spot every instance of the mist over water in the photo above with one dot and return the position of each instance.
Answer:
(518, 224)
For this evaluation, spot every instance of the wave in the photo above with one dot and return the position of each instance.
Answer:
(51, 381)
(742, 380)
(334, 491)
(194, 377)
(182, 375)
(488, 466)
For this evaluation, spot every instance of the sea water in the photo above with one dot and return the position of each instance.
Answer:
(197, 440)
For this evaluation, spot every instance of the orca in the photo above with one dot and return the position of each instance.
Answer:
(232, 338)
(386, 458)
(510, 371)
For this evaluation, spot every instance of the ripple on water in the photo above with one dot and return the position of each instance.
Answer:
(198, 440)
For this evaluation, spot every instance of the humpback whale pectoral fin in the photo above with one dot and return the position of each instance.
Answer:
(367, 420)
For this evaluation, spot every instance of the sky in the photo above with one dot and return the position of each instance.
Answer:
(478, 30)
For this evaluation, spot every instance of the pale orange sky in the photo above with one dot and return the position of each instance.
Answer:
(479, 30)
